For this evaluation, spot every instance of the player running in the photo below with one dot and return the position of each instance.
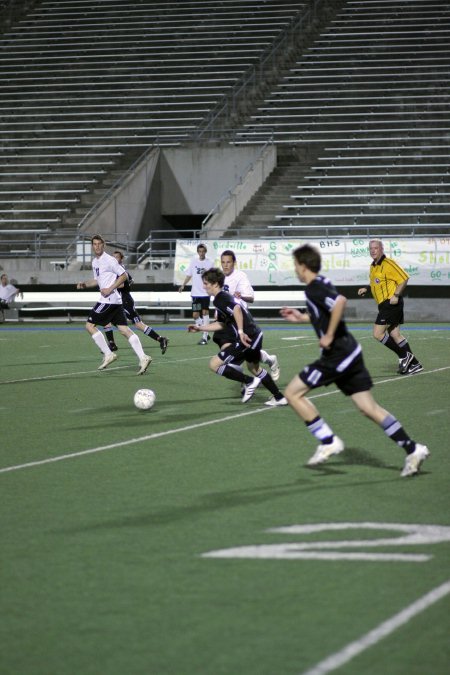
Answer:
(245, 345)
(132, 314)
(341, 362)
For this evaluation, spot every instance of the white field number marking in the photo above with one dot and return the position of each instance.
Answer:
(411, 535)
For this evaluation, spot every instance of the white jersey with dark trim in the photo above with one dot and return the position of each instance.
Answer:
(238, 282)
(106, 269)
(195, 271)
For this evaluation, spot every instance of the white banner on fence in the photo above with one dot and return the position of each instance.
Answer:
(346, 262)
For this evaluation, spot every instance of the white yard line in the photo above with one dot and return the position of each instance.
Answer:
(141, 439)
(130, 366)
(130, 441)
(385, 629)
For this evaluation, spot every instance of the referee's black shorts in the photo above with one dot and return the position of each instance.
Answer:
(390, 315)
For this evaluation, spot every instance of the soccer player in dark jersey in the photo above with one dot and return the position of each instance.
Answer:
(245, 344)
(131, 313)
(341, 362)
(387, 284)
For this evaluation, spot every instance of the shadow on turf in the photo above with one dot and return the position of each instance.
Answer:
(353, 457)
(219, 501)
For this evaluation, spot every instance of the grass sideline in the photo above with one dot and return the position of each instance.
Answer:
(103, 550)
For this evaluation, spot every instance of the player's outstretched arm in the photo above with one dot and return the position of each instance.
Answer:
(294, 315)
(211, 327)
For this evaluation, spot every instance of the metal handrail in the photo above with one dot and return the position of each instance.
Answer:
(160, 245)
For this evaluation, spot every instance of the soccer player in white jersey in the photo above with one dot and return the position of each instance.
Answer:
(238, 285)
(200, 298)
(108, 276)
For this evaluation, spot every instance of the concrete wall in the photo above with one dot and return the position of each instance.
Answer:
(238, 198)
(125, 210)
(194, 179)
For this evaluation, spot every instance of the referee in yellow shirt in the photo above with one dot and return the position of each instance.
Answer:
(387, 283)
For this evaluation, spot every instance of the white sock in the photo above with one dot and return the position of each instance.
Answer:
(199, 321)
(101, 343)
(136, 346)
(205, 323)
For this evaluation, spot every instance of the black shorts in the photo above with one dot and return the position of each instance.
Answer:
(130, 311)
(237, 353)
(323, 372)
(102, 314)
(223, 337)
(390, 315)
(201, 302)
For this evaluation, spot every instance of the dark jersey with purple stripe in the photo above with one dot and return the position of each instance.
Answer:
(225, 303)
(321, 296)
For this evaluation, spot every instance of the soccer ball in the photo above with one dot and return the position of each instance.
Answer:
(144, 399)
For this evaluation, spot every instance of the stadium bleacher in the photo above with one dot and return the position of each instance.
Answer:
(360, 118)
(87, 86)
(372, 95)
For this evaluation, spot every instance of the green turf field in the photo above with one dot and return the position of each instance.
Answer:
(164, 542)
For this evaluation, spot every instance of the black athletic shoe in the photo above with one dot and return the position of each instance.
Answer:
(163, 343)
(414, 368)
(112, 346)
(405, 363)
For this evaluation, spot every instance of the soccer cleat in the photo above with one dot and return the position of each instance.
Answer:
(108, 358)
(404, 363)
(112, 345)
(414, 368)
(250, 389)
(273, 402)
(144, 364)
(163, 343)
(414, 461)
(274, 367)
(204, 341)
(326, 450)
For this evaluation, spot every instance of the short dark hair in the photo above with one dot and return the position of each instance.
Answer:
(309, 256)
(230, 253)
(202, 246)
(214, 276)
(119, 253)
(98, 238)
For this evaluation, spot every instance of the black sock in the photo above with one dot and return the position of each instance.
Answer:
(404, 348)
(109, 335)
(320, 430)
(394, 430)
(268, 383)
(151, 333)
(233, 374)
(388, 342)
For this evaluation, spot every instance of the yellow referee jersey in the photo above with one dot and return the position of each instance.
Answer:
(385, 276)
